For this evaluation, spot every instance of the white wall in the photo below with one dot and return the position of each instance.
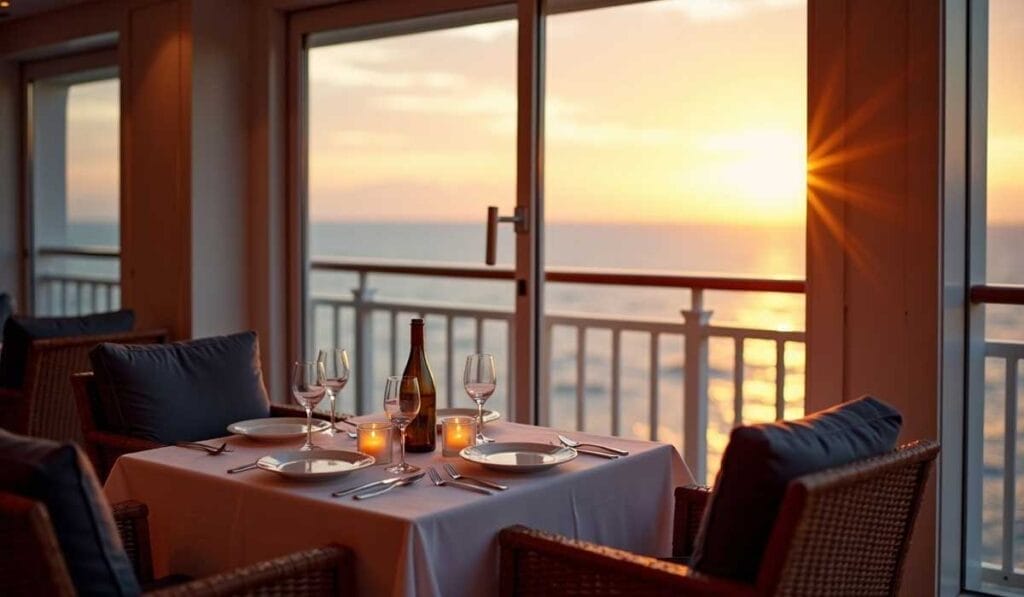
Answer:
(219, 168)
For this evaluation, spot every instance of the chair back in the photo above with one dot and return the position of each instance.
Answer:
(31, 561)
(46, 406)
(846, 531)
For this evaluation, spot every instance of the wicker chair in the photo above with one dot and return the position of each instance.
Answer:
(843, 531)
(45, 405)
(105, 446)
(31, 562)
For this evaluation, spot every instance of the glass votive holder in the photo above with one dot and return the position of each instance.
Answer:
(377, 440)
(456, 434)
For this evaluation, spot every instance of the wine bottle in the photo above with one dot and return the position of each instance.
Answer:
(421, 436)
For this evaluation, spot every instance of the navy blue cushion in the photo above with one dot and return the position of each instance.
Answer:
(759, 463)
(60, 477)
(184, 391)
(19, 332)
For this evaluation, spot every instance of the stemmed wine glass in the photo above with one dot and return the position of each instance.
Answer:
(334, 363)
(308, 390)
(480, 380)
(402, 404)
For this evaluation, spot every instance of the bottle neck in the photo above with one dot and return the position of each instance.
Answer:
(416, 337)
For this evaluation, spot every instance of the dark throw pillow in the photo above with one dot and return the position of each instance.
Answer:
(19, 332)
(759, 463)
(184, 391)
(62, 478)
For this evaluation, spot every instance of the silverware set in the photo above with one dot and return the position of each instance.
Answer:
(375, 488)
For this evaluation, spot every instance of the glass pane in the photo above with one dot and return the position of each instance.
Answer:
(1002, 466)
(76, 193)
(411, 137)
(93, 158)
(675, 142)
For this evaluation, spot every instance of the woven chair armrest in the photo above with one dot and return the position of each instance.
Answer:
(321, 571)
(562, 561)
(124, 443)
(289, 410)
(691, 501)
(132, 519)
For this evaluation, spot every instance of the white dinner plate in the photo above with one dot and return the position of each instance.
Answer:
(276, 428)
(518, 457)
(315, 464)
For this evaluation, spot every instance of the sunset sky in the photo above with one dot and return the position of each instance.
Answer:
(666, 111)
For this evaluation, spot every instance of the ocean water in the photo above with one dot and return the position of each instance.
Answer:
(731, 251)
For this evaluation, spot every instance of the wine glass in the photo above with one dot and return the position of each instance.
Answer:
(308, 390)
(402, 404)
(480, 380)
(336, 370)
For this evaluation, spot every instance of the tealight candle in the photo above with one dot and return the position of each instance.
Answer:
(456, 434)
(375, 439)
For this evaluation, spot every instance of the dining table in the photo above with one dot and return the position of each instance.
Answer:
(418, 540)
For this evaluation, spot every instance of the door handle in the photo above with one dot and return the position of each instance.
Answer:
(493, 219)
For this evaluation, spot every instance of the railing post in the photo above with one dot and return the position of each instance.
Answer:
(362, 304)
(695, 390)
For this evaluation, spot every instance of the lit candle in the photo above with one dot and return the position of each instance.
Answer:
(374, 439)
(456, 434)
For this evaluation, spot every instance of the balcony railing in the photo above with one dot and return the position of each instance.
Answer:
(60, 291)
(694, 329)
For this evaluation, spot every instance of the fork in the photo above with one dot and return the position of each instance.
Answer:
(211, 450)
(455, 475)
(435, 477)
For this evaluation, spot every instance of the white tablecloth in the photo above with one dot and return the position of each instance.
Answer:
(419, 540)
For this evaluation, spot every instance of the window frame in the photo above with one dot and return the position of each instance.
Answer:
(69, 69)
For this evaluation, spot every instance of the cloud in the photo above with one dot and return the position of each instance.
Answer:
(367, 139)
(485, 33)
(488, 102)
(344, 74)
(722, 10)
(564, 121)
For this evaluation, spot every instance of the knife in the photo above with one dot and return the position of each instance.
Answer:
(387, 488)
(390, 481)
